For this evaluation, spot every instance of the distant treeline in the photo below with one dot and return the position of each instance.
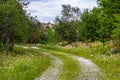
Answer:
(102, 24)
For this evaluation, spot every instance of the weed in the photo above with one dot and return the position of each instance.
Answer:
(27, 66)
(109, 63)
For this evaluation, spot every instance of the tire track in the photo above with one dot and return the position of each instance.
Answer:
(53, 72)
(89, 71)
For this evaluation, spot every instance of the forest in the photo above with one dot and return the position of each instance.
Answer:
(92, 34)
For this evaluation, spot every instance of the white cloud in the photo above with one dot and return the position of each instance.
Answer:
(47, 10)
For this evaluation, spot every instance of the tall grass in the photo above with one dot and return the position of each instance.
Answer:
(110, 63)
(27, 64)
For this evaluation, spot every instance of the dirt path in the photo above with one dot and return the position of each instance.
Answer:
(53, 72)
(89, 71)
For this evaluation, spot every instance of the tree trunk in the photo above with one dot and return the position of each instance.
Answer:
(11, 48)
(6, 43)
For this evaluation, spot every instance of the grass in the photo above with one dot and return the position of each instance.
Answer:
(71, 68)
(25, 65)
(110, 63)
(29, 63)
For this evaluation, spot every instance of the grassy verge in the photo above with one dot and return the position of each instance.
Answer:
(109, 63)
(71, 68)
(27, 64)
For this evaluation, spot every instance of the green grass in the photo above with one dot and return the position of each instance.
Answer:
(110, 63)
(71, 68)
(27, 64)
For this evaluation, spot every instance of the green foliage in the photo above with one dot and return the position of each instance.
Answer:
(111, 19)
(89, 25)
(51, 36)
(13, 23)
(67, 24)
(47, 35)
(34, 31)
(116, 36)
(110, 6)
(66, 31)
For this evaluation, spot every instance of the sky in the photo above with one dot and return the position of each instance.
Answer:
(47, 10)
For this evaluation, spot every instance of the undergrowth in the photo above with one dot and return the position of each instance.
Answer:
(109, 63)
(27, 64)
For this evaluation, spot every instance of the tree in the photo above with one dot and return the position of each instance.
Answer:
(109, 6)
(13, 23)
(66, 25)
(111, 11)
(89, 25)
(34, 30)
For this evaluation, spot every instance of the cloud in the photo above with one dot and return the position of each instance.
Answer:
(47, 10)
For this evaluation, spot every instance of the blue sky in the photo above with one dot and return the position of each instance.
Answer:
(47, 10)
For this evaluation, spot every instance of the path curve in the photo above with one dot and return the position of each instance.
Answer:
(89, 71)
(53, 72)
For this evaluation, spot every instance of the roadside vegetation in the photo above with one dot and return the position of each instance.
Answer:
(101, 24)
(27, 64)
(109, 63)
